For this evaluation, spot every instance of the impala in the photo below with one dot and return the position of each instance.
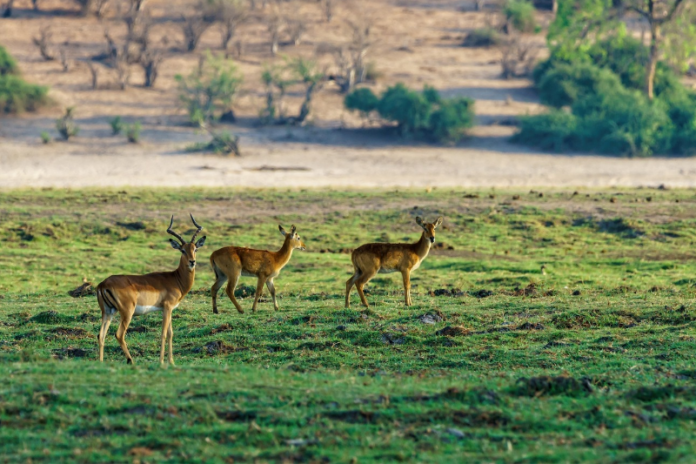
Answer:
(231, 262)
(373, 258)
(137, 295)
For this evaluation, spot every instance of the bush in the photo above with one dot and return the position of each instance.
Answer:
(451, 119)
(133, 132)
(566, 83)
(603, 86)
(417, 113)
(486, 37)
(222, 143)
(116, 125)
(519, 14)
(66, 126)
(409, 109)
(8, 65)
(45, 138)
(208, 92)
(17, 96)
(552, 131)
(363, 100)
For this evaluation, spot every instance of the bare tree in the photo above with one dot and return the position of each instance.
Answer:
(328, 9)
(64, 59)
(275, 22)
(657, 13)
(350, 58)
(7, 9)
(230, 14)
(94, 71)
(519, 56)
(91, 6)
(43, 42)
(193, 28)
(150, 61)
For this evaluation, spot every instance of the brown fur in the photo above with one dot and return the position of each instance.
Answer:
(165, 290)
(372, 258)
(231, 262)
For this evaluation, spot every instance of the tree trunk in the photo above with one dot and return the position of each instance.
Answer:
(652, 62)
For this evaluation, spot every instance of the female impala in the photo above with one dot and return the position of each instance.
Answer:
(232, 262)
(137, 295)
(374, 258)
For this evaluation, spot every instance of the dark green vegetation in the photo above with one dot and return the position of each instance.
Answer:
(16, 95)
(596, 87)
(495, 362)
(417, 113)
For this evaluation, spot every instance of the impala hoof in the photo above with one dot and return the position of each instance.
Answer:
(215, 311)
(129, 361)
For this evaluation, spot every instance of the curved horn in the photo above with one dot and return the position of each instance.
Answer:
(198, 228)
(170, 231)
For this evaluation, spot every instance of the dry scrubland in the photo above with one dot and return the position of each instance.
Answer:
(413, 42)
(592, 360)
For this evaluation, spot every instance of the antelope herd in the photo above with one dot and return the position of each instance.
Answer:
(163, 291)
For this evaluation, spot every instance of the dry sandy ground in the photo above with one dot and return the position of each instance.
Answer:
(477, 163)
(415, 42)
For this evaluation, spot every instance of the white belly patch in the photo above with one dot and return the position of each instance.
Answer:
(248, 274)
(386, 271)
(142, 310)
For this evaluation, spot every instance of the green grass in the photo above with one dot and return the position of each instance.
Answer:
(593, 361)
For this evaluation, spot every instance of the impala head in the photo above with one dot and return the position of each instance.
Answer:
(293, 237)
(188, 250)
(429, 228)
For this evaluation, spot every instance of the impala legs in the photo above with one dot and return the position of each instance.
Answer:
(231, 285)
(259, 291)
(271, 289)
(126, 317)
(349, 285)
(407, 286)
(167, 330)
(360, 282)
(220, 279)
(106, 321)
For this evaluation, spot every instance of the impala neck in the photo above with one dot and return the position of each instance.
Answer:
(422, 246)
(285, 252)
(184, 275)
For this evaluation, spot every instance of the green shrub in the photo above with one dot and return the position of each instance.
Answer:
(485, 37)
(409, 109)
(565, 83)
(417, 113)
(604, 86)
(363, 100)
(133, 132)
(116, 125)
(46, 138)
(451, 119)
(208, 92)
(222, 143)
(8, 65)
(66, 126)
(519, 14)
(553, 131)
(17, 96)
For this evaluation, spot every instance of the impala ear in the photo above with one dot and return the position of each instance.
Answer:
(293, 229)
(176, 245)
(438, 222)
(419, 221)
(282, 231)
(200, 242)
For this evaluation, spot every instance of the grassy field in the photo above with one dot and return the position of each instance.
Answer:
(497, 361)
